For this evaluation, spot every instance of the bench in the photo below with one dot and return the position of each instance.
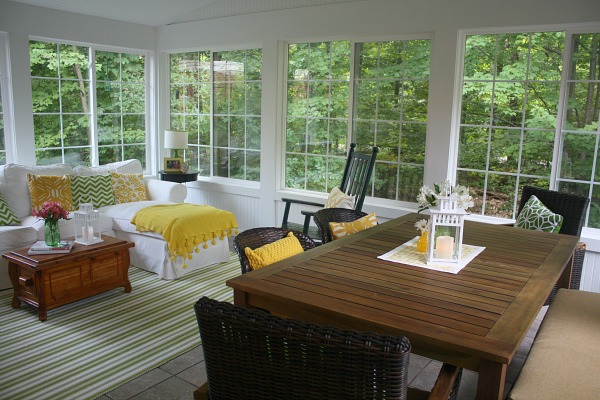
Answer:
(564, 361)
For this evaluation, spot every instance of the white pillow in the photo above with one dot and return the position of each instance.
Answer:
(14, 188)
(339, 199)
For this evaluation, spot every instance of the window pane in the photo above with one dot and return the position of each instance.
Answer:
(511, 82)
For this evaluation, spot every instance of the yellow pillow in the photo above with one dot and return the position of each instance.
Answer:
(341, 229)
(339, 199)
(273, 252)
(128, 188)
(44, 188)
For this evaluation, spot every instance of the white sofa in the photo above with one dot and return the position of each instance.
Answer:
(150, 252)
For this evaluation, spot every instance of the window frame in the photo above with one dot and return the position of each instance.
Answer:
(6, 99)
(149, 75)
(353, 41)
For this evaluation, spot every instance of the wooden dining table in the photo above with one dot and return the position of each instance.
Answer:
(475, 319)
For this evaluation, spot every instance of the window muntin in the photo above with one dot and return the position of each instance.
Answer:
(388, 109)
(391, 88)
(510, 99)
(233, 80)
(64, 118)
(579, 170)
(121, 106)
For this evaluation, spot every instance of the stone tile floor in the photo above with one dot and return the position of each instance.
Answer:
(178, 378)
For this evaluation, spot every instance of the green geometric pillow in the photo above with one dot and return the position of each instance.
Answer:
(536, 216)
(96, 189)
(7, 217)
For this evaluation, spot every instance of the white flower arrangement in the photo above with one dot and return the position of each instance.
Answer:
(428, 197)
(422, 225)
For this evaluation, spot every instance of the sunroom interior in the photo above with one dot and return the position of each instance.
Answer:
(492, 95)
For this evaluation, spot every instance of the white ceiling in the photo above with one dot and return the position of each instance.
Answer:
(166, 12)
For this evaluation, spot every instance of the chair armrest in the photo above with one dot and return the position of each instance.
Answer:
(286, 211)
(165, 190)
(308, 203)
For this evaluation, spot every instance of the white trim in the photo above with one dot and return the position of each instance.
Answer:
(7, 99)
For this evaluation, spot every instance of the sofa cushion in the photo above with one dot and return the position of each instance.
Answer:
(43, 188)
(128, 187)
(13, 184)
(95, 189)
(122, 214)
(12, 237)
(7, 217)
(132, 166)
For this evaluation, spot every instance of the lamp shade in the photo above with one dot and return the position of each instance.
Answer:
(176, 140)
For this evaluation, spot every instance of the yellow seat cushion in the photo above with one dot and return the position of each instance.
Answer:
(342, 229)
(128, 188)
(273, 252)
(44, 188)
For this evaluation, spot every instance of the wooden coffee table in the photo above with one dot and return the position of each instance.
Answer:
(52, 280)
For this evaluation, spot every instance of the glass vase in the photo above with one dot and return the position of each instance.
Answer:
(422, 242)
(51, 232)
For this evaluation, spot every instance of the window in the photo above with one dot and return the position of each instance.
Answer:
(223, 136)
(512, 115)
(67, 115)
(387, 108)
(2, 119)
(580, 136)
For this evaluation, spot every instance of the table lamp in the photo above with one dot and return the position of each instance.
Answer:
(176, 140)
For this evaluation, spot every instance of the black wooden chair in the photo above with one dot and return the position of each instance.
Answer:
(326, 215)
(257, 237)
(277, 358)
(573, 209)
(355, 182)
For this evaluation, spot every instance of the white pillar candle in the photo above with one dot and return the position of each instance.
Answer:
(90, 233)
(444, 247)
(83, 234)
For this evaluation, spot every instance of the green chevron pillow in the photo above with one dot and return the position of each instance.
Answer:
(96, 189)
(7, 217)
(536, 216)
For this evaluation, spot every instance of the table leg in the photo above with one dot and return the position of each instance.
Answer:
(490, 384)
(239, 298)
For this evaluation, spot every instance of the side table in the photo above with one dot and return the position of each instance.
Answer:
(180, 177)
(52, 280)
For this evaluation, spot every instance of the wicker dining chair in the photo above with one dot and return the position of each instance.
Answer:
(257, 237)
(282, 358)
(324, 216)
(573, 209)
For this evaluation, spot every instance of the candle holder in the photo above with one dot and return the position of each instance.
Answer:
(445, 237)
(86, 225)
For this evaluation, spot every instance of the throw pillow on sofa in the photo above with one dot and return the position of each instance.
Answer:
(7, 217)
(128, 188)
(96, 189)
(44, 188)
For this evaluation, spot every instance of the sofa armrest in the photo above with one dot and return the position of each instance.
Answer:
(165, 190)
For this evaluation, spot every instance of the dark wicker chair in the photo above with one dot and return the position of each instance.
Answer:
(287, 359)
(257, 237)
(573, 208)
(355, 182)
(326, 215)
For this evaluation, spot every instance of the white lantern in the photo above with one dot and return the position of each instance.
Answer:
(446, 232)
(86, 225)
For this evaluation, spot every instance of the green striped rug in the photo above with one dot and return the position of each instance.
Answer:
(89, 347)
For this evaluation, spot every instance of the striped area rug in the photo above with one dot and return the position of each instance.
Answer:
(90, 347)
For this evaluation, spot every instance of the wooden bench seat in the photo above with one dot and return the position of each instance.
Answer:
(564, 361)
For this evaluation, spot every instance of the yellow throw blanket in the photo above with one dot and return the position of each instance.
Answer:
(185, 226)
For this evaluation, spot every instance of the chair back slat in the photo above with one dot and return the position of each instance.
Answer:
(357, 174)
